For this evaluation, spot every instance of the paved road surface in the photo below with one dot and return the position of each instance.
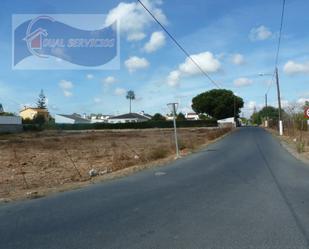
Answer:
(243, 192)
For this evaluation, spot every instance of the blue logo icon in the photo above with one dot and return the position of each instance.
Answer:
(46, 38)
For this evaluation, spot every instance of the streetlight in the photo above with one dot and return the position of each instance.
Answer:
(173, 108)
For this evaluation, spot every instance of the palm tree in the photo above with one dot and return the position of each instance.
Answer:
(130, 96)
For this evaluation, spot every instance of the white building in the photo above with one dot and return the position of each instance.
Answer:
(227, 122)
(10, 124)
(192, 116)
(129, 118)
(100, 118)
(71, 119)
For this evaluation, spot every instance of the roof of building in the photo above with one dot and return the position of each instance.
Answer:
(74, 117)
(34, 108)
(130, 116)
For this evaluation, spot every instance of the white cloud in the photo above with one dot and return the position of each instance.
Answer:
(97, 100)
(302, 101)
(260, 33)
(120, 91)
(65, 84)
(238, 59)
(135, 63)
(67, 93)
(250, 105)
(66, 87)
(284, 103)
(292, 67)
(157, 40)
(242, 82)
(89, 76)
(173, 78)
(134, 19)
(136, 36)
(109, 80)
(205, 60)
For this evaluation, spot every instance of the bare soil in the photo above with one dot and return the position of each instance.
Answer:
(35, 164)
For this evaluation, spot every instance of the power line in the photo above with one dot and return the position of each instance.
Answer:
(278, 45)
(280, 32)
(177, 43)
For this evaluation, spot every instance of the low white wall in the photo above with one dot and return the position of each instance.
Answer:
(7, 120)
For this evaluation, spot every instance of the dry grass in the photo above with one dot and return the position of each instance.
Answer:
(31, 162)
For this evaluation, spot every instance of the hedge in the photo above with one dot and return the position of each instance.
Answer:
(141, 125)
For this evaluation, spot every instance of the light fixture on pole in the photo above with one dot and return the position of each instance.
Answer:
(173, 107)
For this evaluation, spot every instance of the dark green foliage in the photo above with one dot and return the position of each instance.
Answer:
(269, 112)
(41, 103)
(141, 125)
(217, 103)
(7, 114)
(158, 117)
(180, 117)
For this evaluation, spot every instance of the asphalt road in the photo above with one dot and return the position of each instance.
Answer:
(242, 192)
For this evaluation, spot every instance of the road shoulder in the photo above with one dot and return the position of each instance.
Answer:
(290, 146)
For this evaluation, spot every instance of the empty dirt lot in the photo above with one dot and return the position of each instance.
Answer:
(33, 164)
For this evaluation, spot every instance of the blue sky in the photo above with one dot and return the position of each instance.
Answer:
(233, 41)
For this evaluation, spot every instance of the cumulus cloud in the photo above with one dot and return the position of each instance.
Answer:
(250, 105)
(260, 33)
(134, 19)
(173, 78)
(292, 67)
(89, 76)
(135, 63)
(66, 87)
(97, 100)
(109, 80)
(120, 91)
(157, 40)
(238, 59)
(205, 60)
(242, 82)
(302, 101)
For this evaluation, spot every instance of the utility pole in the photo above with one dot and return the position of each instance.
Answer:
(235, 110)
(266, 121)
(279, 104)
(172, 106)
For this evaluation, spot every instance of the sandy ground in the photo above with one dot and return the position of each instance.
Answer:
(35, 164)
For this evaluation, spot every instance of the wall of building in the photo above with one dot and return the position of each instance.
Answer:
(10, 124)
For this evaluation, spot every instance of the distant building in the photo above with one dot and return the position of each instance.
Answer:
(129, 118)
(99, 118)
(71, 119)
(192, 116)
(10, 124)
(169, 117)
(227, 122)
(31, 112)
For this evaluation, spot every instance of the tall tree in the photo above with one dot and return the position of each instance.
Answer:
(158, 117)
(181, 117)
(130, 96)
(218, 103)
(41, 103)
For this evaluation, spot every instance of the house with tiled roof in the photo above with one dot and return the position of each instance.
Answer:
(32, 112)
